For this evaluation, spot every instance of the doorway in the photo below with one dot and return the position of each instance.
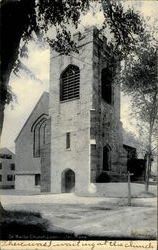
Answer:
(68, 181)
(106, 158)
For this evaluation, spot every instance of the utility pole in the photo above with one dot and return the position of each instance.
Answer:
(129, 187)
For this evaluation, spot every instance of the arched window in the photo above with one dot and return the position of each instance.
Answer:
(106, 85)
(39, 134)
(70, 83)
(106, 158)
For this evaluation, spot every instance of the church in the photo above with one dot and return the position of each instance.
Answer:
(72, 140)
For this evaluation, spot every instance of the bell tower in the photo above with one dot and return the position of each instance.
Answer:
(84, 106)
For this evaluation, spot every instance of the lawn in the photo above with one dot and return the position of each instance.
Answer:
(67, 216)
(25, 225)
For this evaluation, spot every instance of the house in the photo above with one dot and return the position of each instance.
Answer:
(7, 168)
(73, 137)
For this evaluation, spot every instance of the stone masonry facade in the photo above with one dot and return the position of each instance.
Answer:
(28, 164)
(72, 141)
(91, 122)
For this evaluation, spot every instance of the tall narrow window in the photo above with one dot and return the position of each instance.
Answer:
(0, 177)
(106, 85)
(12, 166)
(10, 178)
(37, 179)
(44, 134)
(70, 83)
(37, 142)
(39, 134)
(67, 140)
(0, 165)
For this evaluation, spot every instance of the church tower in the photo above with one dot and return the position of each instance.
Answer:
(84, 107)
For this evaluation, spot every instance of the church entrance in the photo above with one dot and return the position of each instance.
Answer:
(106, 158)
(68, 181)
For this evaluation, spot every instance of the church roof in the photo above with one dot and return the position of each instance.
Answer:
(44, 95)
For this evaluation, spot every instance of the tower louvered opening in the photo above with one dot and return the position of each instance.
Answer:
(70, 83)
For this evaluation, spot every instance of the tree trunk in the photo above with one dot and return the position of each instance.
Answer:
(2, 211)
(1, 119)
(148, 159)
(147, 173)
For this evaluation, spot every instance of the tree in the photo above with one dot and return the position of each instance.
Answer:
(22, 20)
(139, 80)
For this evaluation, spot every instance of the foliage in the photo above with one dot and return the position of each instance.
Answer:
(126, 25)
(139, 140)
(23, 20)
(139, 80)
(40, 16)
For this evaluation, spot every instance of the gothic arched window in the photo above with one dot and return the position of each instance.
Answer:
(106, 85)
(39, 134)
(70, 83)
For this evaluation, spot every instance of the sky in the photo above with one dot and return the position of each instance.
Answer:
(28, 90)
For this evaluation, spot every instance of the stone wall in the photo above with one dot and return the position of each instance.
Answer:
(91, 122)
(26, 182)
(71, 116)
(26, 163)
(45, 161)
(106, 127)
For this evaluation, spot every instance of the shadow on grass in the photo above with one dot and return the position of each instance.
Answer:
(22, 225)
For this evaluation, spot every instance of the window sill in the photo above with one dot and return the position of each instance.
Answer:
(68, 149)
(110, 104)
(69, 100)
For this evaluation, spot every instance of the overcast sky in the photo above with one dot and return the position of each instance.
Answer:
(28, 90)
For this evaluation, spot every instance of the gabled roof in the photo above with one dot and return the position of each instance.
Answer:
(128, 147)
(45, 94)
(6, 151)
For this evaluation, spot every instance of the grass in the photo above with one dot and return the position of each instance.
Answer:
(22, 225)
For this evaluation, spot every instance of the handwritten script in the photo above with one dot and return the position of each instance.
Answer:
(77, 244)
